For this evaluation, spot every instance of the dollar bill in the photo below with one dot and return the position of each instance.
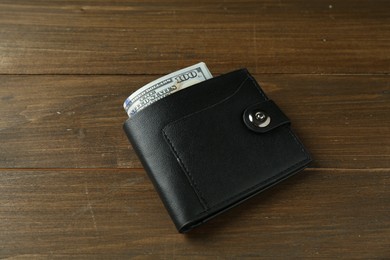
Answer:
(165, 86)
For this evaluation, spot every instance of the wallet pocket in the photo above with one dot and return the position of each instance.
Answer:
(213, 145)
(223, 158)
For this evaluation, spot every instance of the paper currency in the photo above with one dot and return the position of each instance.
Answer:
(165, 86)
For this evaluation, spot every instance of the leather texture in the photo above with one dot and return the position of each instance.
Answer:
(202, 153)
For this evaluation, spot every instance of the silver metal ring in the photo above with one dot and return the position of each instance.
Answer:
(259, 118)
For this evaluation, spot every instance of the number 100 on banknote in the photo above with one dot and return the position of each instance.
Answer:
(165, 86)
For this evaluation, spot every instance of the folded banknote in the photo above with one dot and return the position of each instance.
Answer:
(165, 86)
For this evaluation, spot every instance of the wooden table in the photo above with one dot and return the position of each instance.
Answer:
(71, 185)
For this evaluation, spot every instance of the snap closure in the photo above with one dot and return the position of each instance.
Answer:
(259, 118)
(264, 116)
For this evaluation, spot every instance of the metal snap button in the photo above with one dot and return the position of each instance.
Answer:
(259, 118)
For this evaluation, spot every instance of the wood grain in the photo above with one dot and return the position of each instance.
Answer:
(57, 121)
(149, 37)
(118, 214)
(71, 185)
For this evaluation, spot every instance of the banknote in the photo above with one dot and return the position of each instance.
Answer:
(165, 86)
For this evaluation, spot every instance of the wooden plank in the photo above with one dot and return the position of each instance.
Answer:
(72, 187)
(76, 121)
(116, 213)
(149, 37)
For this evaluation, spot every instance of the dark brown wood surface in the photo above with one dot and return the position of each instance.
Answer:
(71, 185)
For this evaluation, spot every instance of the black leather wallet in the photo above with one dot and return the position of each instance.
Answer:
(213, 145)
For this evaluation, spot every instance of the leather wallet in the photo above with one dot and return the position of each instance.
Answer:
(213, 145)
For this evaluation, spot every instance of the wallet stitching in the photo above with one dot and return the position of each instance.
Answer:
(289, 130)
(277, 176)
(191, 179)
(188, 174)
(210, 106)
(307, 159)
(181, 163)
(257, 87)
(299, 144)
